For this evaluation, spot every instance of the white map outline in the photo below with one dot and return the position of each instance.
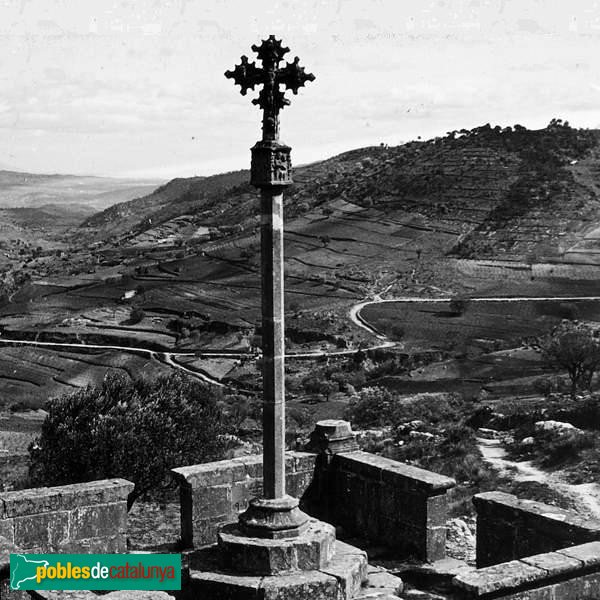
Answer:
(13, 573)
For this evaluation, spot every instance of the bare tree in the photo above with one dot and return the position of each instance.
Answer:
(574, 347)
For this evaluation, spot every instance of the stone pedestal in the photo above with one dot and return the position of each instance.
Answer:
(341, 577)
(332, 436)
(311, 550)
(273, 518)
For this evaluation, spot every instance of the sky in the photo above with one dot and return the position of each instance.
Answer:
(136, 88)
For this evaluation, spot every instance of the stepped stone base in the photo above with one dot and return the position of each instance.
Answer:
(341, 579)
(312, 549)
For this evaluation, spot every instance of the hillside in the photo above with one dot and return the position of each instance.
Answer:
(166, 202)
(488, 212)
(493, 191)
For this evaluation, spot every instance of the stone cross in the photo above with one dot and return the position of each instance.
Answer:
(271, 99)
(271, 172)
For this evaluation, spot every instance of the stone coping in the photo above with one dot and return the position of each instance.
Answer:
(65, 497)
(483, 501)
(531, 572)
(393, 472)
(237, 469)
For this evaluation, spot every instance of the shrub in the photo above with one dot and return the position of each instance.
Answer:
(135, 316)
(566, 448)
(138, 430)
(372, 408)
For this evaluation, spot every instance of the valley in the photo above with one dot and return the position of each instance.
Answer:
(428, 270)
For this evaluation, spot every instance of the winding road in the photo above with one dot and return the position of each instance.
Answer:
(170, 358)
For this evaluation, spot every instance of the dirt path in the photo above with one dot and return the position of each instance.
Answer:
(585, 495)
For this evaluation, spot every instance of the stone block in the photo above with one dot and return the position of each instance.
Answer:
(104, 491)
(303, 462)
(29, 502)
(379, 578)
(310, 550)
(253, 467)
(435, 545)
(205, 530)
(209, 580)
(7, 529)
(95, 521)
(350, 570)
(332, 436)
(213, 473)
(361, 464)
(41, 530)
(586, 587)
(415, 480)
(298, 483)
(216, 585)
(186, 518)
(588, 554)
(554, 563)
(437, 510)
(504, 576)
(209, 501)
(42, 500)
(301, 586)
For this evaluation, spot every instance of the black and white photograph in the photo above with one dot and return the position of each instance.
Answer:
(299, 300)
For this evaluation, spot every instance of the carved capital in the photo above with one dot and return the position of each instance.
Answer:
(271, 165)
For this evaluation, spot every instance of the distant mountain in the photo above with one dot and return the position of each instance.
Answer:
(65, 215)
(486, 192)
(28, 190)
(171, 200)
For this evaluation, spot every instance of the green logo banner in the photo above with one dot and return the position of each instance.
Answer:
(95, 571)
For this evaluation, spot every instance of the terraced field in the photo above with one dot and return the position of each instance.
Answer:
(415, 220)
(491, 345)
(433, 325)
(33, 375)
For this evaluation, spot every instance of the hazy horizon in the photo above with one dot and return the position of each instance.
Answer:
(136, 89)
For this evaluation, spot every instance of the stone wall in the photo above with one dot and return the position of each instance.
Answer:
(388, 502)
(520, 271)
(213, 494)
(84, 517)
(568, 574)
(509, 528)
(370, 497)
(14, 468)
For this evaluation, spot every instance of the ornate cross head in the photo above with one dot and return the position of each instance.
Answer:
(271, 99)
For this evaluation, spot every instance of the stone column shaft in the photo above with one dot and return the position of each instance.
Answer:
(273, 343)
